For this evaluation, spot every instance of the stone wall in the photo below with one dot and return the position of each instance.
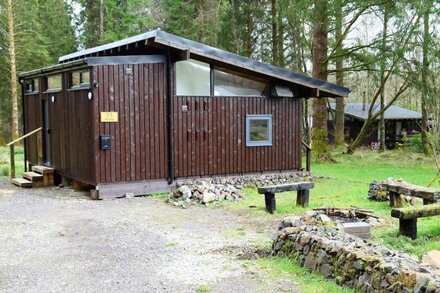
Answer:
(216, 189)
(352, 261)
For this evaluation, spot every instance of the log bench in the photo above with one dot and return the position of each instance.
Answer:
(408, 217)
(396, 189)
(302, 197)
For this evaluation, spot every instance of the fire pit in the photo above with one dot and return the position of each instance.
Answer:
(354, 220)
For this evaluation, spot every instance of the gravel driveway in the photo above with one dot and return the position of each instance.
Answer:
(57, 240)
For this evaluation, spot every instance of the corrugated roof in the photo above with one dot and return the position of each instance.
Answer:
(171, 41)
(392, 113)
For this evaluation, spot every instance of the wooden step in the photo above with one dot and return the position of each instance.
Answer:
(36, 178)
(21, 182)
(33, 176)
(42, 170)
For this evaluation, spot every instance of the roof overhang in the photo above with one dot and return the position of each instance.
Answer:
(186, 49)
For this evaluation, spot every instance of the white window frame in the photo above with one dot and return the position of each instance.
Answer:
(249, 142)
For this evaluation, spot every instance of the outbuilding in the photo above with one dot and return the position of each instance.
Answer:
(135, 115)
(399, 123)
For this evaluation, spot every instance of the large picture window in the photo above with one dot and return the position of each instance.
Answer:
(258, 130)
(227, 83)
(193, 78)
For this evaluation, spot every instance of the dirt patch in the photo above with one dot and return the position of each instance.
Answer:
(58, 240)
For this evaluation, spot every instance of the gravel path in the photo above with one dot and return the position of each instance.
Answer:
(57, 240)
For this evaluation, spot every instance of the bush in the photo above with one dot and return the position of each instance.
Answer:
(4, 171)
(415, 143)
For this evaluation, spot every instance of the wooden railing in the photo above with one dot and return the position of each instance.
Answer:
(12, 150)
(308, 154)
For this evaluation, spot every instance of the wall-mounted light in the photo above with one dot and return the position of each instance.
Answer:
(52, 99)
(90, 96)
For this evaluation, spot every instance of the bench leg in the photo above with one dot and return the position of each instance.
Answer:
(396, 200)
(408, 228)
(302, 198)
(428, 201)
(269, 199)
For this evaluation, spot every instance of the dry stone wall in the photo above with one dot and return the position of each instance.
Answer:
(216, 189)
(352, 261)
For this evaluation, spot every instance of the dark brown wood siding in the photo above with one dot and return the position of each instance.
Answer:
(71, 134)
(138, 140)
(32, 105)
(210, 138)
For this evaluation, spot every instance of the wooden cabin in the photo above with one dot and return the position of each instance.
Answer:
(134, 115)
(399, 122)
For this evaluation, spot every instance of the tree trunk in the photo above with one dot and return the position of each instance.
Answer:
(425, 64)
(13, 68)
(101, 21)
(275, 53)
(319, 105)
(340, 111)
(249, 32)
(280, 39)
(382, 76)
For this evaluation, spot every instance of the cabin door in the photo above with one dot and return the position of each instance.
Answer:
(46, 133)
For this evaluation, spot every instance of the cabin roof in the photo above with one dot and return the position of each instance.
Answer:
(392, 113)
(161, 39)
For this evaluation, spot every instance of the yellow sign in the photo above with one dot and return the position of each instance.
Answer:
(109, 116)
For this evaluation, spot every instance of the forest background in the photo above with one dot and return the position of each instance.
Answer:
(387, 52)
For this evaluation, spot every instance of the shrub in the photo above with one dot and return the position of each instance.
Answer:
(4, 171)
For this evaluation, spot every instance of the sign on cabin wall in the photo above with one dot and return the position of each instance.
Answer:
(109, 116)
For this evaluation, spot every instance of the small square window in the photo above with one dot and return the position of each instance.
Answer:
(54, 82)
(258, 130)
(80, 78)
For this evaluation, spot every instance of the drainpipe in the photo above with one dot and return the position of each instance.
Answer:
(23, 119)
(170, 120)
(363, 101)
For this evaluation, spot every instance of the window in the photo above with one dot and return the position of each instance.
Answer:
(193, 78)
(282, 91)
(54, 82)
(258, 130)
(80, 78)
(227, 83)
(32, 86)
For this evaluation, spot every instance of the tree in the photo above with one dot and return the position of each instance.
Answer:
(425, 71)
(319, 57)
(13, 70)
(339, 65)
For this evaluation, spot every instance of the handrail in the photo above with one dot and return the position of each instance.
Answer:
(308, 155)
(12, 151)
(24, 136)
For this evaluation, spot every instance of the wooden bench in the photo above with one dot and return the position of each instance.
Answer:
(396, 189)
(408, 217)
(302, 197)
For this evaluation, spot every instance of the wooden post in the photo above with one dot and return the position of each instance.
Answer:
(12, 161)
(395, 199)
(408, 228)
(302, 198)
(269, 199)
(40, 147)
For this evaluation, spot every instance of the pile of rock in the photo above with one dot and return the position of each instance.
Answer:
(352, 261)
(203, 192)
(258, 180)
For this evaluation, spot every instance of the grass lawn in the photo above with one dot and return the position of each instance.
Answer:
(345, 184)
(5, 163)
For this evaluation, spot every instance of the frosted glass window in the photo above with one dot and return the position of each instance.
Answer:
(283, 91)
(54, 82)
(193, 78)
(232, 84)
(258, 130)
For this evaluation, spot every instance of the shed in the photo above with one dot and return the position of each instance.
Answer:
(135, 115)
(399, 122)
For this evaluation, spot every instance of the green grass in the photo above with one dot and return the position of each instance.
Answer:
(307, 282)
(345, 184)
(5, 161)
(203, 289)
